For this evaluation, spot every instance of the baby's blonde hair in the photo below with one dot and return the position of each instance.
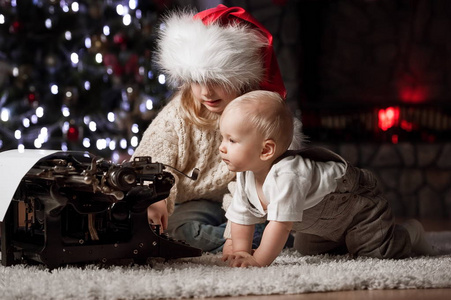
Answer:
(268, 113)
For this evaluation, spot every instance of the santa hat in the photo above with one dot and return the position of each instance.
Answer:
(222, 45)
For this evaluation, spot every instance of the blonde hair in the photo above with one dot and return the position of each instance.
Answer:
(194, 112)
(268, 113)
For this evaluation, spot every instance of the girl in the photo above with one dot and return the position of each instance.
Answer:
(211, 58)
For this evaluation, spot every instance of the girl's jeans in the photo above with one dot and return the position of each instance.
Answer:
(201, 224)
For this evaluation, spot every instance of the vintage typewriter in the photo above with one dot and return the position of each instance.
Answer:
(75, 208)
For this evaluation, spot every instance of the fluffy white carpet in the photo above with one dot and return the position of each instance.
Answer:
(207, 276)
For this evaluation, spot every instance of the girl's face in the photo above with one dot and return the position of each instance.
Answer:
(214, 97)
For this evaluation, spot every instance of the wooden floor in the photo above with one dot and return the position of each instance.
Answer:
(416, 294)
(433, 294)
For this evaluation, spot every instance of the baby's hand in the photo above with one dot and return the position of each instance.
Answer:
(227, 250)
(242, 259)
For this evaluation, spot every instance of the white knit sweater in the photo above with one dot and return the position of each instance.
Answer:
(169, 139)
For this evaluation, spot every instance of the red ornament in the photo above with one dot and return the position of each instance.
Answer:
(15, 27)
(32, 98)
(129, 66)
(73, 133)
(119, 39)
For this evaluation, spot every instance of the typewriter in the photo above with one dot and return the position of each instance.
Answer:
(75, 208)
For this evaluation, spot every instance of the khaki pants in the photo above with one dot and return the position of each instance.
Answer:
(354, 219)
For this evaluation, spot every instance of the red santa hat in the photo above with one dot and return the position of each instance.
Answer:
(222, 45)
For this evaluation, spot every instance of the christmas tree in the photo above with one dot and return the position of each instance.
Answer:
(78, 75)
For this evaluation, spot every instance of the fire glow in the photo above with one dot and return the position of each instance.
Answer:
(388, 118)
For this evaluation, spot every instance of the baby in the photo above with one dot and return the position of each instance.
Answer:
(333, 206)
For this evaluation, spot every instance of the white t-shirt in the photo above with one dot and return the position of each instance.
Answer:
(293, 185)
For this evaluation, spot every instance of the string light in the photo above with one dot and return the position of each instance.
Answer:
(74, 58)
(101, 144)
(123, 143)
(112, 145)
(134, 141)
(92, 126)
(149, 104)
(162, 79)
(17, 134)
(65, 8)
(48, 23)
(26, 122)
(37, 143)
(121, 10)
(40, 112)
(99, 58)
(86, 142)
(65, 127)
(65, 110)
(88, 43)
(132, 4)
(5, 113)
(75, 6)
(127, 20)
(106, 30)
(111, 117)
(54, 89)
(135, 128)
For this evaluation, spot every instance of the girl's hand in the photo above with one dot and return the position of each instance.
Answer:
(157, 214)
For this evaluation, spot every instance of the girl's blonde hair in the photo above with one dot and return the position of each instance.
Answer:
(268, 113)
(194, 112)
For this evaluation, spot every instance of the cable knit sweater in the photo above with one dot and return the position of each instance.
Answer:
(169, 139)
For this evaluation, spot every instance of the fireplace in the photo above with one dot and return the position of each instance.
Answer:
(376, 70)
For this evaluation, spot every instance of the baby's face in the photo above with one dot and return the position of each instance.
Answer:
(241, 144)
(213, 96)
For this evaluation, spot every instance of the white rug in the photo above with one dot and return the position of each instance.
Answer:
(207, 276)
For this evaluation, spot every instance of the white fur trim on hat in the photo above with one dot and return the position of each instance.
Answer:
(190, 51)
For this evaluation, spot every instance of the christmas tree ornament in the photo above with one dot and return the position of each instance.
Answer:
(16, 27)
(32, 99)
(73, 133)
